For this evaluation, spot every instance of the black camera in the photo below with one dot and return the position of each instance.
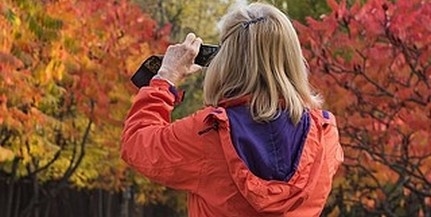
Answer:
(151, 65)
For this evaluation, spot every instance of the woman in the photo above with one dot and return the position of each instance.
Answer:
(261, 146)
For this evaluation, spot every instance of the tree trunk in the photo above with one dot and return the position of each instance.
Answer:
(11, 190)
(18, 200)
(126, 195)
(108, 205)
(100, 204)
(35, 199)
(10, 195)
(48, 208)
(32, 207)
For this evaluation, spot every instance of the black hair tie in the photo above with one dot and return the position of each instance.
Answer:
(246, 24)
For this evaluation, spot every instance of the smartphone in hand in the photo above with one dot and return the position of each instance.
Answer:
(151, 65)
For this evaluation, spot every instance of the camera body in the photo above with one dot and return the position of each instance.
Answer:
(152, 64)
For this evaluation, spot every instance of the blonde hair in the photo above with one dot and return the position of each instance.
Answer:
(260, 55)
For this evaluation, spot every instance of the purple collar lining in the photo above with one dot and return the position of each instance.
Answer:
(270, 150)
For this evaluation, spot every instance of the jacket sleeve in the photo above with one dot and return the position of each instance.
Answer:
(166, 153)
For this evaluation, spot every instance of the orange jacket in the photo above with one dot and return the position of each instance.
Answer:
(207, 166)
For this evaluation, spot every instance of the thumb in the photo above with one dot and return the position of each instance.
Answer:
(194, 68)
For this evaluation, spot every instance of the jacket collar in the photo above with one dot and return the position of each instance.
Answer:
(232, 102)
(243, 100)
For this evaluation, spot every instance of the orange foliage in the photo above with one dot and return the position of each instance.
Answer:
(65, 69)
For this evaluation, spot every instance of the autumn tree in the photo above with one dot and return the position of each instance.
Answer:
(301, 9)
(64, 91)
(198, 16)
(372, 62)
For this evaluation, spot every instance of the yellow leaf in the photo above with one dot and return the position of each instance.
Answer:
(49, 70)
(6, 154)
(59, 71)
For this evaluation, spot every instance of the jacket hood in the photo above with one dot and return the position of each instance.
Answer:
(272, 197)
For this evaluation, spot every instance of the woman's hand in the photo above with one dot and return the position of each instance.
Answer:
(178, 61)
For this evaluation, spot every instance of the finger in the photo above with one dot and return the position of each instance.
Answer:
(197, 43)
(190, 38)
(194, 47)
(194, 68)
